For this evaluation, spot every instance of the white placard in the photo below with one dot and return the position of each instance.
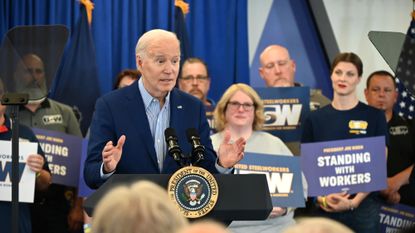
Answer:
(27, 177)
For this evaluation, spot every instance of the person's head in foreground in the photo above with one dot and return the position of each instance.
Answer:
(317, 225)
(204, 226)
(144, 207)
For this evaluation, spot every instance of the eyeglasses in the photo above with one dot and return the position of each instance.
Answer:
(233, 105)
(199, 78)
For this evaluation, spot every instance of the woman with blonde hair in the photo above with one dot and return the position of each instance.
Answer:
(240, 111)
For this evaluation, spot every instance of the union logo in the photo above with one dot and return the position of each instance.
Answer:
(194, 190)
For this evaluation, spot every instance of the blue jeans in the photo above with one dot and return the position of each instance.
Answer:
(364, 219)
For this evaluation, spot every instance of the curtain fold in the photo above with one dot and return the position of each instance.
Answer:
(217, 31)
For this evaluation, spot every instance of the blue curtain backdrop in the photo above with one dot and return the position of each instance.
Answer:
(76, 82)
(116, 26)
(218, 32)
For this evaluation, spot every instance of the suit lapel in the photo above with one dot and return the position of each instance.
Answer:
(140, 121)
(176, 111)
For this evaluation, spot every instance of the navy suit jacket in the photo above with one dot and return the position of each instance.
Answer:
(122, 112)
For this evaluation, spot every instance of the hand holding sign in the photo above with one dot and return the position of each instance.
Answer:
(35, 162)
(336, 202)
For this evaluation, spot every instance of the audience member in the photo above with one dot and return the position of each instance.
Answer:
(59, 209)
(132, 121)
(240, 112)
(142, 208)
(126, 78)
(381, 93)
(317, 225)
(195, 80)
(204, 226)
(278, 70)
(36, 162)
(333, 122)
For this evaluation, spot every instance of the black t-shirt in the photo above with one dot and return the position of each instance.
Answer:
(328, 124)
(401, 153)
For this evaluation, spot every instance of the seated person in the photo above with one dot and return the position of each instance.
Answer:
(240, 112)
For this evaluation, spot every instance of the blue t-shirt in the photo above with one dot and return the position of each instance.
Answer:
(25, 225)
(327, 124)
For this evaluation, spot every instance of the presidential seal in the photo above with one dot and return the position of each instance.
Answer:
(194, 190)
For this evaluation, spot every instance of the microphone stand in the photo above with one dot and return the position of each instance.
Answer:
(14, 100)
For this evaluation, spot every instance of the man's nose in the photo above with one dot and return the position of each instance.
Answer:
(169, 67)
(195, 82)
(277, 69)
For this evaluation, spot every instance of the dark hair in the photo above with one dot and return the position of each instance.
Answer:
(192, 60)
(135, 74)
(348, 57)
(380, 73)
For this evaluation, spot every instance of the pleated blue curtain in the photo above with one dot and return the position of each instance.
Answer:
(116, 26)
(217, 32)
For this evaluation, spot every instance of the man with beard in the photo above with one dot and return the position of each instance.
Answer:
(194, 79)
(58, 209)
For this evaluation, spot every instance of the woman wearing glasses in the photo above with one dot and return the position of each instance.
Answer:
(241, 112)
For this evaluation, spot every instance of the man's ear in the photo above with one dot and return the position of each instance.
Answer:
(261, 71)
(366, 91)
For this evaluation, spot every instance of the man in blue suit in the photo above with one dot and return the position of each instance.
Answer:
(136, 116)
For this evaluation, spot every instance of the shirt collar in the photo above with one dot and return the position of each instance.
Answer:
(147, 98)
(44, 104)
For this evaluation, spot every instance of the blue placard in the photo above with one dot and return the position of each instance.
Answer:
(395, 218)
(283, 176)
(209, 116)
(63, 153)
(83, 189)
(353, 165)
(284, 109)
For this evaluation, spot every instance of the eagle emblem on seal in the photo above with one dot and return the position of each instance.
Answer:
(193, 191)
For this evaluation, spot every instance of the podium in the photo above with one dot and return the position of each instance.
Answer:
(241, 197)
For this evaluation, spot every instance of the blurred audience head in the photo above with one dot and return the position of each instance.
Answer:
(126, 78)
(204, 226)
(143, 207)
(317, 225)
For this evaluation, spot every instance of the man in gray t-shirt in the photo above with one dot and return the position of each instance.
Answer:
(58, 209)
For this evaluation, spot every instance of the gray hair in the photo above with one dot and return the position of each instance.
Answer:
(144, 41)
(142, 208)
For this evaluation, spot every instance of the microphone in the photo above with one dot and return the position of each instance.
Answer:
(198, 150)
(172, 145)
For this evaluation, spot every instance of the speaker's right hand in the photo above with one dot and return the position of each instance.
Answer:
(111, 154)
